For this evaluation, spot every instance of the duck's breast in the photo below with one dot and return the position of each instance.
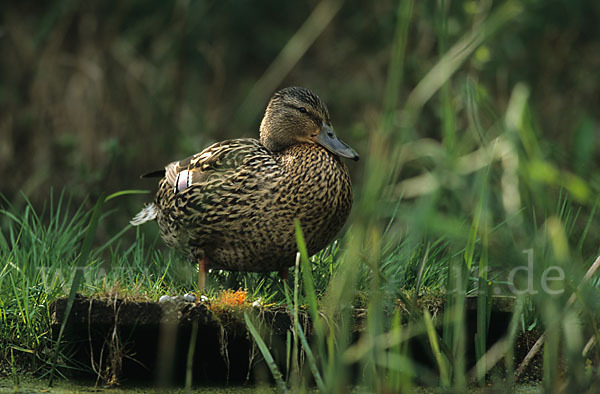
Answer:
(321, 192)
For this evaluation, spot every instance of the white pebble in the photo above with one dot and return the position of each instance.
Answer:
(189, 297)
(165, 298)
(257, 303)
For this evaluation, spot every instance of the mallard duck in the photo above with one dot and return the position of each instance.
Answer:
(232, 206)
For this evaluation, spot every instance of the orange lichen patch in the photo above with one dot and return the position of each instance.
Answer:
(231, 299)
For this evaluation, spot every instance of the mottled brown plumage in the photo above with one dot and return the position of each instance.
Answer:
(232, 206)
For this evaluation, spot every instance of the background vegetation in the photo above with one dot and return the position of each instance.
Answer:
(477, 123)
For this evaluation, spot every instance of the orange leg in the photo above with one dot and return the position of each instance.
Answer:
(202, 268)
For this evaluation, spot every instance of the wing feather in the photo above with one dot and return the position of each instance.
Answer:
(217, 158)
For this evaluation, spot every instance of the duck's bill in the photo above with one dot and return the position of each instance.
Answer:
(331, 142)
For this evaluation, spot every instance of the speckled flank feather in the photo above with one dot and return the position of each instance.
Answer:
(235, 202)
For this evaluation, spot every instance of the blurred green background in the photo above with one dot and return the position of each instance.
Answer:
(93, 94)
(477, 123)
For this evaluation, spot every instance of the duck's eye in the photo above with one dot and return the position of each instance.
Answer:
(302, 110)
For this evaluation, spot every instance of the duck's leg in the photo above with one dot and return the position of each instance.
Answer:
(202, 260)
(202, 267)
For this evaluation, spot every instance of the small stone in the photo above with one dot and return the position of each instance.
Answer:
(203, 298)
(165, 298)
(257, 303)
(189, 297)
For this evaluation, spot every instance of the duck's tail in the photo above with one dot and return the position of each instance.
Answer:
(145, 215)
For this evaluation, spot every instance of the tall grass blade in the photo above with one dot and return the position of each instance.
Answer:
(448, 117)
(81, 261)
(266, 354)
(312, 362)
(396, 66)
(503, 349)
(483, 309)
(309, 286)
(587, 226)
(458, 54)
(293, 305)
(189, 370)
(453, 332)
(91, 232)
(435, 347)
(472, 239)
(13, 371)
(125, 193)
(311, 297)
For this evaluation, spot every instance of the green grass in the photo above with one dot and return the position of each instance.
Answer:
(449, 216)
(42, 254)
(488, 196)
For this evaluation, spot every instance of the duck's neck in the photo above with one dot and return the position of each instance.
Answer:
(310, 159)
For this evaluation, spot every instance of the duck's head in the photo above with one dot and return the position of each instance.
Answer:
(297, 115)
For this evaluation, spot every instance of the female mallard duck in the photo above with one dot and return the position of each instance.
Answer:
(232, 206)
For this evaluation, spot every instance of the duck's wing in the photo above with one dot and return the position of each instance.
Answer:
(219, 160)
(226, 180)
(219, 178)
